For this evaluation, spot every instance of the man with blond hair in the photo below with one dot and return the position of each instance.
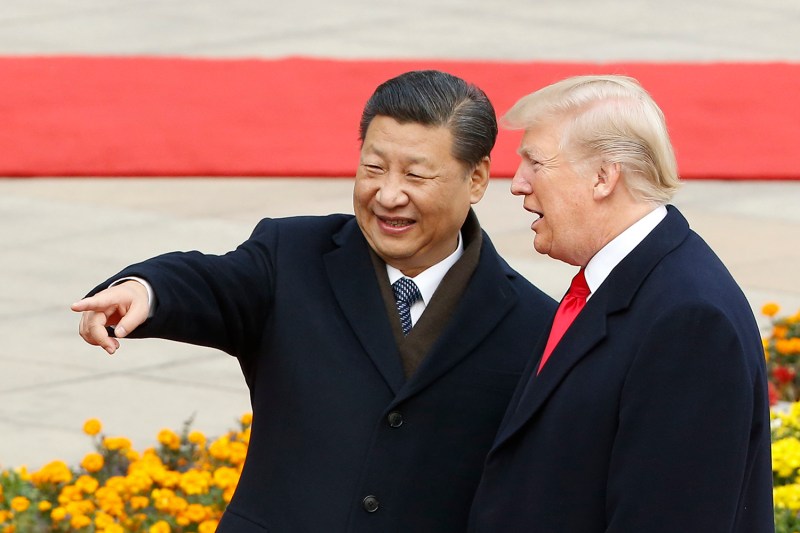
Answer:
(645, 409)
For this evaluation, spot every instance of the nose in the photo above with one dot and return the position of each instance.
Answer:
(520, 184)
(391, 192)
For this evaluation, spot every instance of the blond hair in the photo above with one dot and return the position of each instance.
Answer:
(611, 117)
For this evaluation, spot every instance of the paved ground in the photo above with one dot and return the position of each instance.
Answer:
(60, 236)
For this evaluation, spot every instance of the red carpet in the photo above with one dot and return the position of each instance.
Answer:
(84, 116)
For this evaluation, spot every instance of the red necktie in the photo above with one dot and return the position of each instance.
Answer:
(568, 309)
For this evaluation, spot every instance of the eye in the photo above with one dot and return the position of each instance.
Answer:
(535, 163)
(372, 169)
(417, 176)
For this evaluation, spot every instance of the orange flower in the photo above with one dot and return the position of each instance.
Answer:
(92, 462)
(117, 443)
(79, 521)
(209, 526)
(87, 484)
(139, 502)
(92, 427)
(169, 438)
(196, 437)
(196, 513)
(20, 504)
(160, 527)
(54, 472)
(58, 514)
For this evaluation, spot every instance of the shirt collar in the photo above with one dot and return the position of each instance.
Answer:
(429, 279)
(610, 255)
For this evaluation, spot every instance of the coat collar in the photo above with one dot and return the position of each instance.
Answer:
(486, 300)
(355, 287)
(614, 295)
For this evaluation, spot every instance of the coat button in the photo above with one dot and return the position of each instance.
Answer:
(370, 504)
(395, 419)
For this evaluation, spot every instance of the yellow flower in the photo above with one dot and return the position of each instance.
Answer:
(138, 481)
(58, 514)
(209, 526)
(110, 501)
(787, 496)
(87, 484)
(117, 443)
(225, 477)
(45, 506)
(170, 479)
(196, 513)
(169, 438)
(84, 507)
(92, 427)
(195, 482)
(178, 505)
(69, 493)
(112, 528)
(162, 498)
(92, 462)
(247, 419)
(238, 452)
(54, 472)
(103, 520)
(79, 521)
(132, 455)
(20, 504)
(786, 456)
(220, 448)
(198, 438)
(139, 502)
(160, 527)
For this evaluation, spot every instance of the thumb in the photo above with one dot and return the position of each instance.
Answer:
(131, 320)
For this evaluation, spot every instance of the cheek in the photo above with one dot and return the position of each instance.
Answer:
(363, 192)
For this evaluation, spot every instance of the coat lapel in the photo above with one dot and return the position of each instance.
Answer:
(590, 326)
(353, 281)
(489, 291)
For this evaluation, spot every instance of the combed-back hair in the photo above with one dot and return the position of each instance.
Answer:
(435, 98)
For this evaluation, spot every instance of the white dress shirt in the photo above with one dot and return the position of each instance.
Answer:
(610, 255)
(428, 280)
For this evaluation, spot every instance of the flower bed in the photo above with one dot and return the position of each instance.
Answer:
(184, 483)
(782, 350)
(181, 485)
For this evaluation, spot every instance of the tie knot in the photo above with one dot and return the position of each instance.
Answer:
(579, 288)
(405, 290)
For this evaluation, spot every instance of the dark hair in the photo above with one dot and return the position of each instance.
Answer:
(435, 98)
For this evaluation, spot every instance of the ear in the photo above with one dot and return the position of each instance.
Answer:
(479, 180)
(607, 179)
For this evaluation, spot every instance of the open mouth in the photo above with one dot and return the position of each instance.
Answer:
(396, 223)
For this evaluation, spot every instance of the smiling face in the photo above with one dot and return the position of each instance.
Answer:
(560, 193)
(411, 196)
